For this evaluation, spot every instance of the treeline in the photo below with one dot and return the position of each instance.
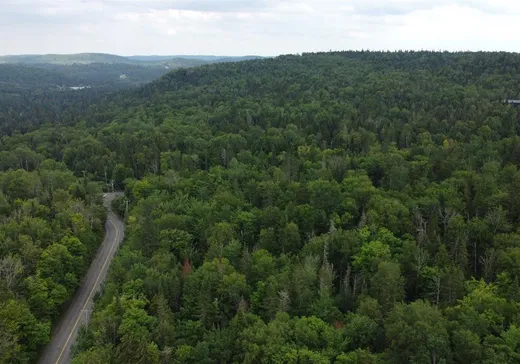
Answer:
(351, 207)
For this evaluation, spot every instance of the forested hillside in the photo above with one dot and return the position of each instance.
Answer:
(32, 95)
(351, 207)
(53, 89)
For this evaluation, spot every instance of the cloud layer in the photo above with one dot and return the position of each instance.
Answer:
(265, 27)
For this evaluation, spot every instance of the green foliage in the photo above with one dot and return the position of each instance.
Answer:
(417, 333)
(47, 238)
(351, 207)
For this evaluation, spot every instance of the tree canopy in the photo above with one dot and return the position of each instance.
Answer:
(349, 207)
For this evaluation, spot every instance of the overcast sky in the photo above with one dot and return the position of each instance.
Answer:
(261, 27)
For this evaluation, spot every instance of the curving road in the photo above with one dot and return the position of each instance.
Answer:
(78, 313)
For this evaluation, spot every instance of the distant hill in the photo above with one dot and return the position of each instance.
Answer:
(14, 76)
(73, 71)
(173, 61)
(50, 85)
(164, 58)
(56, 76)
(84, 69)
(236, 59)
(205, 58)
(66, 59)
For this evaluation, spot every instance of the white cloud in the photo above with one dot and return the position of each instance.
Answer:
(456, 27)
(295, 8)
(266, 27)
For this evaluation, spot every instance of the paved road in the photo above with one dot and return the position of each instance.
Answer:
(65, 331)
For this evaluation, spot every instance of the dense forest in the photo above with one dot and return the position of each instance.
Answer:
(39, 89)
(347, 207)
(32, 95)
(50, 227)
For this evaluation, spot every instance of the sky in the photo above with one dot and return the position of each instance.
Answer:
(255, 27)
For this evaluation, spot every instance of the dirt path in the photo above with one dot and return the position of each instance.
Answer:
(65, 331)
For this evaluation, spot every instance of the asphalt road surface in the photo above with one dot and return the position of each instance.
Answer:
(78, 313)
